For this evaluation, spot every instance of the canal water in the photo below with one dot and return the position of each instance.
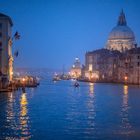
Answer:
(58, 111)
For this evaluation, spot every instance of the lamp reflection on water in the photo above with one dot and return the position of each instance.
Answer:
(125, 89)
(125, 97)
(24, 119)
(10, 111)
(91, 113)
(126, 126)
(91, 88)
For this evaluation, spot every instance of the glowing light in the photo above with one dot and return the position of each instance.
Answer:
(11, 72)
(76, 58)
(90, 67)
(95, 75)
(23, 79)
(125, 78)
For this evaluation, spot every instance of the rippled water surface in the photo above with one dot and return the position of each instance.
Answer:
(58, 111)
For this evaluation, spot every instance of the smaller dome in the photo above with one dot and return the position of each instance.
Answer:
(121, 32)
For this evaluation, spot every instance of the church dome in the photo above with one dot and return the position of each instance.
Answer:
(121, 32)
(121, 37)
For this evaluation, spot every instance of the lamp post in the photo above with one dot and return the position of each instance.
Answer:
(125, 79)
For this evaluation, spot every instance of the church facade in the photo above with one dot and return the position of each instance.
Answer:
(119, 61)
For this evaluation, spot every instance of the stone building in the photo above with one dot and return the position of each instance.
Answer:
(102, 65)
(75, 71)
(129, 66)
(6, 59)
(119, 61)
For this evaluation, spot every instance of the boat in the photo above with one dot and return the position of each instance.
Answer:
(76, 84)
(56, 77)
(23, 89)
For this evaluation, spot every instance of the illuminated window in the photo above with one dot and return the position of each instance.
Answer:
(90, 67)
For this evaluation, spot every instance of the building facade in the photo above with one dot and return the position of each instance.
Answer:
(129, 66)
(119, 61)
(6, 59)
(101, 65)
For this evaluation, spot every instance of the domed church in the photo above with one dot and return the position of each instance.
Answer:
(121, 37)
(109, 65)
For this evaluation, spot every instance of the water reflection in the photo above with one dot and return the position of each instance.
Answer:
(126, 126)
(16, 120)
(10, 113)
(91, 114)
(92, 111)
(125, 89)
(91, 88)
(24, 118)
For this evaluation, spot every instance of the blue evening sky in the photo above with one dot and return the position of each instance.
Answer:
(54, 32)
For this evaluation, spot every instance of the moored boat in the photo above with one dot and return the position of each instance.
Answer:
(56, 77)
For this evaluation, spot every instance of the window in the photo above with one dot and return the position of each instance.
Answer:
(0, 34)
(90, 59)
(138, 57)
(138, 64)
(126, 64)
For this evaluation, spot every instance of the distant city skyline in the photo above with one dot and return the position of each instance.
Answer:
(54, 32)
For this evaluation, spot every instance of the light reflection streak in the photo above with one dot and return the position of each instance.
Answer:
(10, 116)
(91, 88)
(91, 114)
(125, 89)
(10, 111)
(17, 120)
(24, 119)
(126, 126)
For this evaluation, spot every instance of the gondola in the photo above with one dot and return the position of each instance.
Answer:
(76, 84)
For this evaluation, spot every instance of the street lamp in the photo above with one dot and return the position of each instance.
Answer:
(125, 79)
